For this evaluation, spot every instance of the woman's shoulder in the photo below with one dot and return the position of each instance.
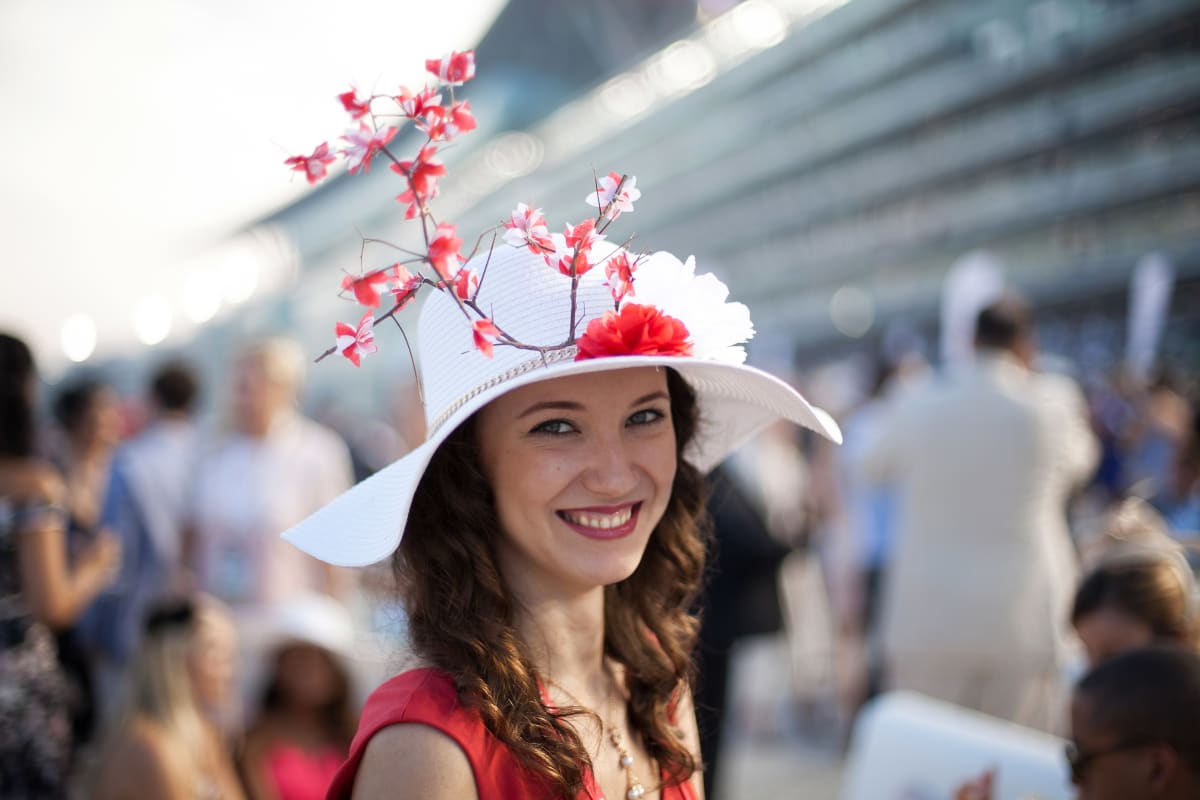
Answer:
(138, 759)
(412, 733)
(424, 696)
(415, 732)
(424, 760)
(31, 481)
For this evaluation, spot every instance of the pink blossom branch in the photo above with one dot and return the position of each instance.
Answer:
(603, 221)
(411, 360)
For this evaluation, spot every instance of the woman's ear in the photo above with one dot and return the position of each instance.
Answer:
(1162, 766)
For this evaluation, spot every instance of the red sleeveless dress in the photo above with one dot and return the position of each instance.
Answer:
(428, 697)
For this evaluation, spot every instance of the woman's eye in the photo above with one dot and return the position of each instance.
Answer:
(646, 416)
(554, 427)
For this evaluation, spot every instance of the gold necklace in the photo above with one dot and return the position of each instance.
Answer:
(634, 790)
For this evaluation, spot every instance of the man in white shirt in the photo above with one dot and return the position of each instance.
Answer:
(984, 458)
(275, 468)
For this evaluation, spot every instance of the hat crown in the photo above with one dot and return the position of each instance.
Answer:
(523, 295)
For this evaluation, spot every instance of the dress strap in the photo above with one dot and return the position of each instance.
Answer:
(30, 517)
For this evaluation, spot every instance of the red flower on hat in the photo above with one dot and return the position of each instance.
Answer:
(443, 251)
(357, 342)
(485, 332)
(455, 68)
(313, 166)
(357, 108)
(635, 330)
(363, 144)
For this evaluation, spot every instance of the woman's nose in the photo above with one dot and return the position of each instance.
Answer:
(611, 470)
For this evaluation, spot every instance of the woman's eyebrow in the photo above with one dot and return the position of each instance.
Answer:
(651, 397)
(570, 405)
(551, 405)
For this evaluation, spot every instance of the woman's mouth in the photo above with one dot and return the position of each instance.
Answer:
(608, 522)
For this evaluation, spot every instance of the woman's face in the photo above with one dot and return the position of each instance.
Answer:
(1106, 632)
(307, 675)
(581, 468)
(211, 663)
(102, 423)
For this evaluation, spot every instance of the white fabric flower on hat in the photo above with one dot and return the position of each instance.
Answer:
(718, 328)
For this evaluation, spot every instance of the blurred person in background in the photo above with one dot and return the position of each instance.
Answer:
(1133, 730)
(88, 412)
(89, 415)
(145, 505)
(1134, 602)
(1138, 588)
(1134, 727)
(1179, 500)
(307, 713)
(866, 517)
(1159, 431)
(169, 745)
(275, 468)
(740, 598)
(42, 589)
(984, 459)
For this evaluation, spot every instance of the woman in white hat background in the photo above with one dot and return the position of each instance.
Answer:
(305, 720)
(548, 536)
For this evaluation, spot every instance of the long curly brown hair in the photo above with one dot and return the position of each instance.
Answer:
(467, 627)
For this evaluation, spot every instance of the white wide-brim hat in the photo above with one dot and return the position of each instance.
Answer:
(531, 302)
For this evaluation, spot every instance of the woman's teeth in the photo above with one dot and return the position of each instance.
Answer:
(599, 521)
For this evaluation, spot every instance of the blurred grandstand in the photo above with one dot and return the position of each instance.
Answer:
(831, 160)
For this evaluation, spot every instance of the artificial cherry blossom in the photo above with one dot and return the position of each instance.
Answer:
(466, 283)
(484, 332)
(357, 108)
(443, 124)
(363, 144)
(313, 166)
(527, 228)
(561, 256)
(355, 343)
(367, 288)
(572, 248)
(417, 106)
(422, 173)
(605, 195)
(618, 273)
(406, 286)
(454, 69)
(443, 251)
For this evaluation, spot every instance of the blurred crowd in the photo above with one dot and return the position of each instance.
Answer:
(989, 532)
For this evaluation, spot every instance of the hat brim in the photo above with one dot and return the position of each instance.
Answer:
(364, 524)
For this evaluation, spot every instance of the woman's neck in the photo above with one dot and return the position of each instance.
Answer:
(565, 637)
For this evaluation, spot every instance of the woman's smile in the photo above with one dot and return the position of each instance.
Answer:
(602, 522)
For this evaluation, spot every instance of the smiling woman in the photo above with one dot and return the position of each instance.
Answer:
(547, 536)
(548, 540)
(527, 499)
